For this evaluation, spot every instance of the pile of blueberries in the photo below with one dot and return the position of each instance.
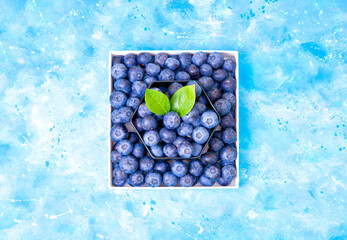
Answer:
(170, 136)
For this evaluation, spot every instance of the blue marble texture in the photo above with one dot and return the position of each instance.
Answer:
(54, 126)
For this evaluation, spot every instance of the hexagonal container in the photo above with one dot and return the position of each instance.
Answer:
(159, 84)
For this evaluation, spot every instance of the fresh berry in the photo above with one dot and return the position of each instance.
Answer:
(144, 58)
(136, 179)
(119, 71)
(205, 181)
(192, 116)
(196, 168)
(118, 132)
(139, 150)
(143, 110)
(171, 120)
(124, 147)
(206, 70)
(209, 119)
(227, 121)
(215, 59)
(228, 172)
(123, 85)
(230, 97)
(200, 135)
(138, 124)
(223, 182)
(178, 141)
(119, 173)
(206, 83)
(128, 164)
(152, 69)
(209, 158)
(214, 94)
(197, 87)
(157, 151)
(228, 85)
(201, 107)
(185, 150)
(185, 129)
(114, 117)
(229, 136)
(146, 164)
(170, 150)
(139, 88)
(216, 144)
(173, 88)
(166, 75)
(115, 156)
(229, 65)
(135, 74)
(187, 180)
(130, 60)
(133, 102)
(213, 172)
(169, 179)
(118, 182)
(149, 79)
(193, 71)
(179, 168)
(160, 59)
(162, 167)
(167, 135)
(133, 137)
(228, 155)
(197, 149)
(124, 114)
(118, 99)
(202, 99)
(172, 63)
(222, 106)
(219, 75)
(117, 59)
(199, 58)
(182, 76)
(153, 179)
(151, 138)
(185, 59)
(149, 123)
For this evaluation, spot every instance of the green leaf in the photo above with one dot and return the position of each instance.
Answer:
(157, 102)
(183, 100)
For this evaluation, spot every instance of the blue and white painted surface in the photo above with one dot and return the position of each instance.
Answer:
(54, 126)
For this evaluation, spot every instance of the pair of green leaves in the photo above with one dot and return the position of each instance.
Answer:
(181, 102)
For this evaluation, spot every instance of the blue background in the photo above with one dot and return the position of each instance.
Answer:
(54, 126)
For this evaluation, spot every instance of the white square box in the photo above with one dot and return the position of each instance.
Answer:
(227, 54)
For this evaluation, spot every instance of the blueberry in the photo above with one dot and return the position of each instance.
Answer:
(153, 179)
(167, 135)
(217, 134)
(216, 85)
(143, 110)
(185, 129)
(209, 158)
(202, 99)
(200, 135)
(187, 180)
(185, 149)
(232, 74)
(178, 141)
(152, 69)
(209, 119)
(139, 150)
(173, 88)
(229, 85)
(118, 182)
(135, 73)
(214, 94)
(206, 70)
(144, 58)
(139, 88)
(156, 89)
(206, 83)
(119, 71)
(170, 150)
(149, 79)
(133, 137)
(227, 121)
(192, 116)
(229, 136)
(124, 147)
(133, 102)
(118, 132)
(219, 75)
(157, 151)
(197, 87)
(130, 60)
(182, 76)
(158, 117)
(125, 114)
(199, 58)
(160, 59)
(119, 174)
(138, 124)
(216, 144)
(230, 97)
(212, 172)
(118, 99)
(114, 117)
(196, 168)
(222, 106)
(201, 107)
(228, 172)
(117, 59)
(223, 182)
(149, 123)
(151, 138)
(162, 167)
(171, 120)
(166, 75)
(172, 63)
(205, 181)
(229, 65)
(146, 164)
(185, 59)
(179, 168)
(132, 95)
(136, 179)
(169, 179)
(228, 155)
(215, 59)
(193, 71)
(115, 156)
(128, 164)
(197, 149)
(123, 85)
